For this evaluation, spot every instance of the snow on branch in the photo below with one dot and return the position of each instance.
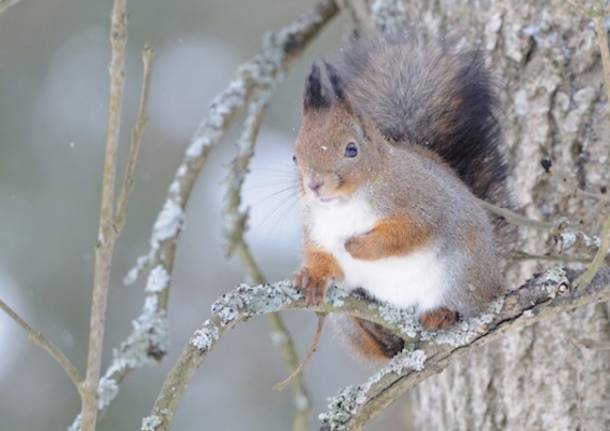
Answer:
(426, 353)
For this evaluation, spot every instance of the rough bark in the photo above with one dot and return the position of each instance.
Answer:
(545, 57)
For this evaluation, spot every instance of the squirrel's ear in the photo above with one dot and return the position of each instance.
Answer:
(335, 81)
(338, 86)
(314, 97)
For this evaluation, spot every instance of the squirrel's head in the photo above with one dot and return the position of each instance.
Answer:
(336, 151)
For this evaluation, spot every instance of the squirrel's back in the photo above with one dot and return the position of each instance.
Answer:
(432, 95)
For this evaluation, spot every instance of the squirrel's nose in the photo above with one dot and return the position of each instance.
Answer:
(315, 184)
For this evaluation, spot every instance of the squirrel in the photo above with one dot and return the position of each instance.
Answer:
(395, 148)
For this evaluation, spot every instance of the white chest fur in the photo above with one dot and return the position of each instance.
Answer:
(414, 279)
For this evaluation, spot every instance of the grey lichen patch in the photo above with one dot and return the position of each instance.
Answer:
(343, 406)
(107, 389)
(467, 330)
(403, 318)
(553, 281)
(147, 343)
(336, 296)
(206, 336)
(158, 280)
(141, 265)
(246, 301)
(150, 423)
(168, 223)
(556, 275)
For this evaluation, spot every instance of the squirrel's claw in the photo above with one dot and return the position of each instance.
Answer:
(314, 288)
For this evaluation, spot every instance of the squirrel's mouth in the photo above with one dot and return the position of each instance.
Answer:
(326, 199)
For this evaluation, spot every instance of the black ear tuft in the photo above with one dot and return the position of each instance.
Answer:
(335, 81)
(314, 97)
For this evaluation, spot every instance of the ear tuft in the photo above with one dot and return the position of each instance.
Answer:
(314, 97)
(335, 81)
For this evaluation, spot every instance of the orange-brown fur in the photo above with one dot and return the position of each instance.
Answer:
(440, 318)
(390, 237)
(318, 269)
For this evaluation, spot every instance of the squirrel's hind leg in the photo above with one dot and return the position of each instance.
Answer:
(370, 341)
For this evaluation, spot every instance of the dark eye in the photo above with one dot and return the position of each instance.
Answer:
(351, 150)
(294, 159)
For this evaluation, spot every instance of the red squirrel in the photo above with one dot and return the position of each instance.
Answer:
(398, 140)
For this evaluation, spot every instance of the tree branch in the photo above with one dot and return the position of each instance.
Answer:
(426, 353)
(147, 343)
(106, 234)
(136, 139)
(41, 341)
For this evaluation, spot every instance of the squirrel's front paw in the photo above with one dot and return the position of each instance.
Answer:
(314, 287)
(439, 318)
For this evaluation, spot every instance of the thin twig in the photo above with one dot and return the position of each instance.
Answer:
(517, 219)
(523, 255)
(234, 231)
(542, 297)
(136, 139)
(106, 234)
(147, 343)
(5, 4)
(597, 196)
(312, 349)
(41, 341)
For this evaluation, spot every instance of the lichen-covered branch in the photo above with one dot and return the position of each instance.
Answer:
(37, 338)
(426, 353)
(542, 297)
(147, 343)
(106, 234)
(236, 221)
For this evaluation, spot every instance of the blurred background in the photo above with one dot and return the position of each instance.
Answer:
(53, 100)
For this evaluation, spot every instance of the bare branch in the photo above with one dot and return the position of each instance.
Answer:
(136, 139)
(519, 220)
(524, 255)
(542, 297)
(5, 4)
(147, 343)
(41, 341)
(106, 234)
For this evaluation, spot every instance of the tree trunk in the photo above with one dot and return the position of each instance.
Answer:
(545, 57)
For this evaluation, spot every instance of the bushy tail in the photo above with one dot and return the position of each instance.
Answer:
(433, 95)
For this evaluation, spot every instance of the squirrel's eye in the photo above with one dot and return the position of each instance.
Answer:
(294, 159)
(351, 150)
